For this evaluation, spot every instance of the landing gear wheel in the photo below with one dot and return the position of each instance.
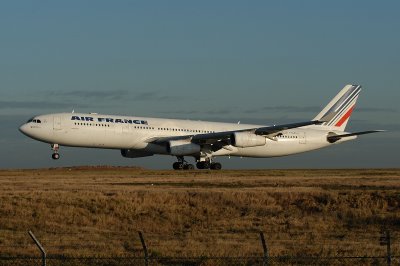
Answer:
(55, 148)
(203, 165)
(199, 165)
(188, 167)
(215, 166)
(55, 156)
(177, 166)
(181, 164)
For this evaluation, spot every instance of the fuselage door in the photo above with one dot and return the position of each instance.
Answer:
(302, 137)
(57, 123)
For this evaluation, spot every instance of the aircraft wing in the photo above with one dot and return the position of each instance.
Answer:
(275, 129)
(212, 138)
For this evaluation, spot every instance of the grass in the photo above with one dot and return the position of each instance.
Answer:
(88, 211)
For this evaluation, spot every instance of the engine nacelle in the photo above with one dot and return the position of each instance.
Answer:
(245, 139)
(182, 148)
(129, 153)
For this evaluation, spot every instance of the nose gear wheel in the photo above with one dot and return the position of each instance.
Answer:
(55, 148)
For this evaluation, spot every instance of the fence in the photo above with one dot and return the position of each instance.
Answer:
(154, 259)
(200, 261)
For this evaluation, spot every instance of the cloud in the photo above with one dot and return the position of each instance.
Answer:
(152, 96)
(85, 94)
(196, 112)
(33, 105)
(376, 109)
(218, 112)
(360, 125)
(285, 108)
(110, 95)
(10, 125)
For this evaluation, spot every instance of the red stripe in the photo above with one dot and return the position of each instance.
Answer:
(345, 117)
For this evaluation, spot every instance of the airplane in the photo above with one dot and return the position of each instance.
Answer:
(141, 136)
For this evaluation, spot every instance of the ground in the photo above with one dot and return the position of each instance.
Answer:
(84, 211)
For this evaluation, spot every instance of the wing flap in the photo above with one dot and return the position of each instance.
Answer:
(163, 140)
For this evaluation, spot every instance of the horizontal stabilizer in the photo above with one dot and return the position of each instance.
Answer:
(333, 138)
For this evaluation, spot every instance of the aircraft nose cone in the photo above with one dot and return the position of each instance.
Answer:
(23, 129)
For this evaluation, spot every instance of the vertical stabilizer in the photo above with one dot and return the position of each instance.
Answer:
(337, 113)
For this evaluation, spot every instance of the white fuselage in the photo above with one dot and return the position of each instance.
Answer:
(136, 133)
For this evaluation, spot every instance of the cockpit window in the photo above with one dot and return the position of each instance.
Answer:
(38, 121)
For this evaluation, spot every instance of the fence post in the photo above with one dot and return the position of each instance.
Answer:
(265, 249)
(388, 249)
(146, 255)
(40, 247)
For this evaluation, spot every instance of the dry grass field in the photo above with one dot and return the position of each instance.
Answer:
(98, 211)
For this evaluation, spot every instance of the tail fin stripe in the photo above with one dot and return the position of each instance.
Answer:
(343, 109)
(349, 98)
(345, 117)
(344, 99)
(335, 115)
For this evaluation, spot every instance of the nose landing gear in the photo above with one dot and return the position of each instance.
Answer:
(55, 148)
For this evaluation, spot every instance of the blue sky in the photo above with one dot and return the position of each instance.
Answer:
(255, 61)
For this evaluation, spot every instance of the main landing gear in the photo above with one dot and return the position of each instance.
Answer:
(181, 164)
(208, 165)
(55, 148)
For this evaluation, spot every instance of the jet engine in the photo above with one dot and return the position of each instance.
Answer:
(245, 139)
(129, 153)
(182, 148)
